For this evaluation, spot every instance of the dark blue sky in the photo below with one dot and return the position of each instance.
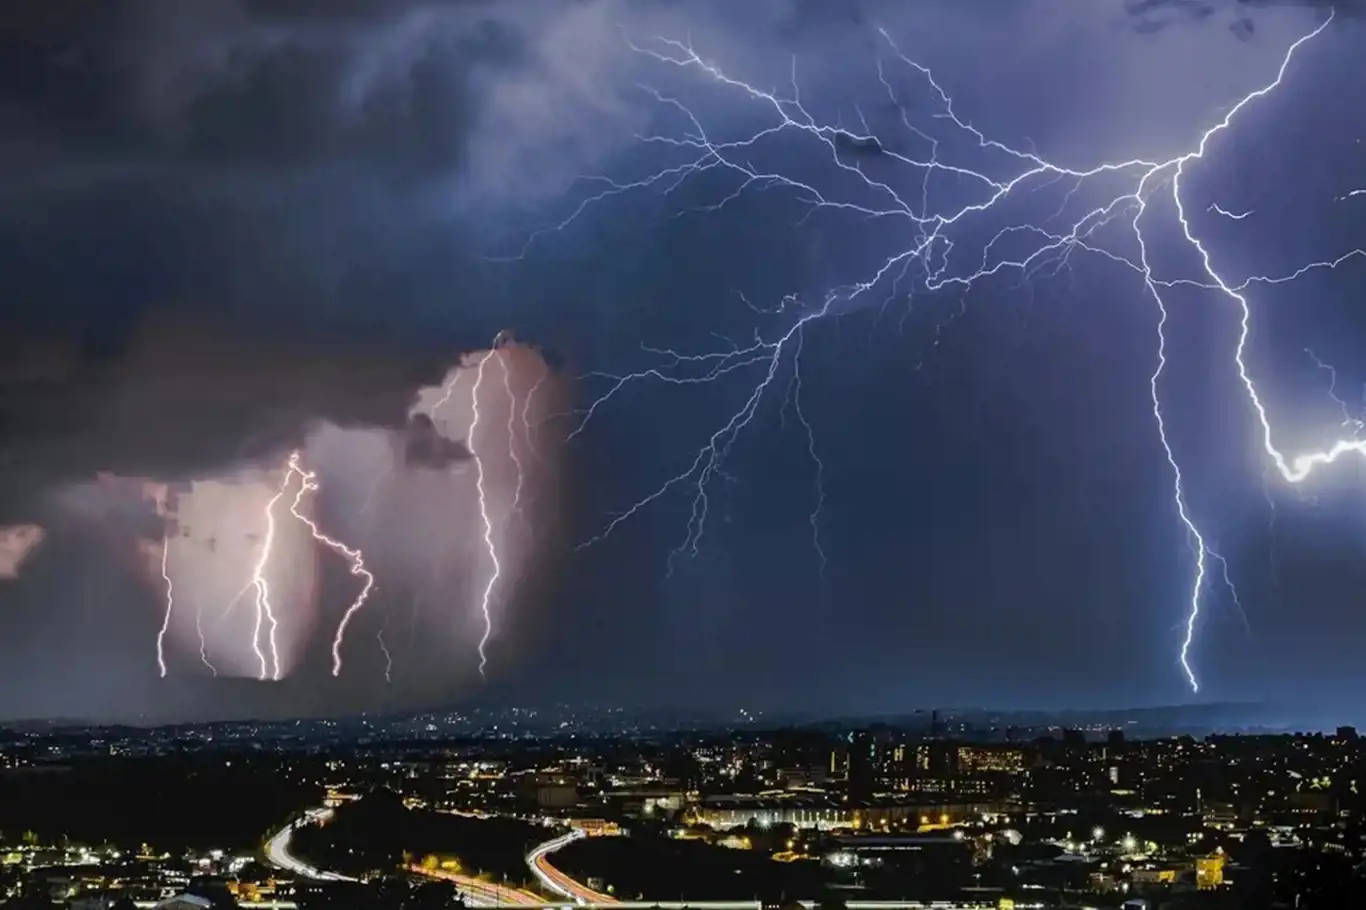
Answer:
(334, 184)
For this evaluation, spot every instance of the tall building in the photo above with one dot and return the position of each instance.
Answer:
(862, 766)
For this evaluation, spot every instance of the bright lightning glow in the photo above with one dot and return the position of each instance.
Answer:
(170, 606)
(265, 613)
(308, 483)
(484, 600)
(933, 236)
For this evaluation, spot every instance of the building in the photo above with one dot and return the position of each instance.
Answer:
(1209, 872)
(862, 766)
(982, 759)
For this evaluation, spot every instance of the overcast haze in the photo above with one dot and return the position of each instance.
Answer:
(235, 230)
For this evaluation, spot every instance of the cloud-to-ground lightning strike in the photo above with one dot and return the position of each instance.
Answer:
(308, 483)
(477, 456)
(265, 613)
(483, 515)
(170, 606)
(929, 252)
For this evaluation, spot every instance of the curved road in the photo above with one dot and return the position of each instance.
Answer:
(555, 881)
(478, 893)
(487, 894)
(277, 849)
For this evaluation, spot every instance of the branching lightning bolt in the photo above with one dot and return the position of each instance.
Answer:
(308, 483)
(1354, 424)
(929, 253)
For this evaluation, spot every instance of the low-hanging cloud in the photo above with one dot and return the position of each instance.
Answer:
(179, 401)
(17, 542)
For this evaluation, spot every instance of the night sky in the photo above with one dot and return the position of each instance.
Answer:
(226, 224)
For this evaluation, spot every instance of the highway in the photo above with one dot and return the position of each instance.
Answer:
(477, 893)
(555, 881)
(580, 897)
(480, 893)
(277, 849)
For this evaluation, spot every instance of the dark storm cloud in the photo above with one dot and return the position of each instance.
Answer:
(97, 86)
(425, 447)
(1155, 15)
(178, 402)
(238, 167)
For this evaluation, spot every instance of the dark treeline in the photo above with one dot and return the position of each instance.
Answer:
(171, 804)
(374, 834)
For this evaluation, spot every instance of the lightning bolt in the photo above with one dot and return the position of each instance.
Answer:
(933, 234)
(527, 432)
(203, 642)
(170, 606)
(388, 658)
(484, 516)
(308, 483)
(265, 613)
(814, 519)
(512, 434)
(486, 598)
(1348, 421)
(1214, 207)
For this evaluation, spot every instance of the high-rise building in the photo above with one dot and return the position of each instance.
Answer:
(862, 766)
